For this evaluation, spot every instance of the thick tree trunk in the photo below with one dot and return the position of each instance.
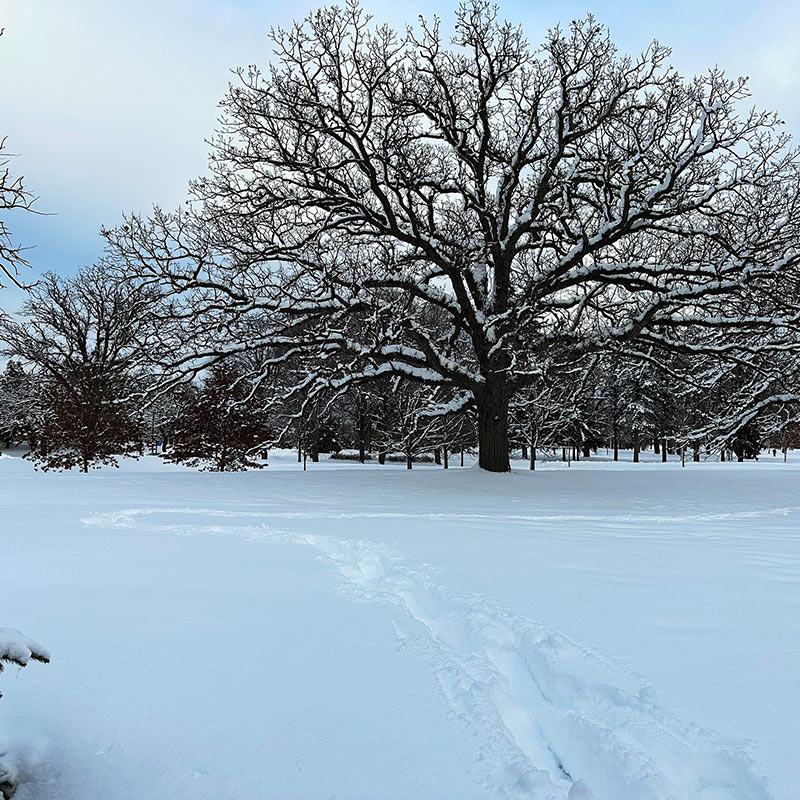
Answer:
(587, 450)
(409, 460)
(656, 445)
(524, 451)
(437, 456)
(663, 451)
(382, 457)
(533, 457)
(493, 427)
(636, 446)
(445, 458)
(696, 451)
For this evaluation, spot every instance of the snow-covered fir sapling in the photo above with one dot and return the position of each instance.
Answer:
(15, 648)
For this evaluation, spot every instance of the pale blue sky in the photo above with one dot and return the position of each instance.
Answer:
(109, 102)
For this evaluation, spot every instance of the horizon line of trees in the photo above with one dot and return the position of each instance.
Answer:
(80, 390)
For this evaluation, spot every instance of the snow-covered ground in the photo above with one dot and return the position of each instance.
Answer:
(615, 631)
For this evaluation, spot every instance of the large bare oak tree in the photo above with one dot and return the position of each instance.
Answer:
(467, 209)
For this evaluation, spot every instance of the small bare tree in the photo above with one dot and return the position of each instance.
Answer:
(13, 196)
(86, 336)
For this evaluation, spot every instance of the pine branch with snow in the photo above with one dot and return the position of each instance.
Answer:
(17, 649)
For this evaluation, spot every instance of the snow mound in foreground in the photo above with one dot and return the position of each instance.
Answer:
(15, 648)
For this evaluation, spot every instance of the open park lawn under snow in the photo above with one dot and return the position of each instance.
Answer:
(616, 632)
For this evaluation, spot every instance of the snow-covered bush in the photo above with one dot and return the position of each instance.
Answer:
(15, 648)
(350, 455)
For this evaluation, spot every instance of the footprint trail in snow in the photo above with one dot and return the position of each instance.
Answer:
(554, 720)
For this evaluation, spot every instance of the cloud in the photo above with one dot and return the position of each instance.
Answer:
(109, 103)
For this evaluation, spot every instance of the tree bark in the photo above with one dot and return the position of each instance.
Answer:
(445, 458)
(587, 450)
(636, 446)
(493, 427)
(409, 460)
(663, 451)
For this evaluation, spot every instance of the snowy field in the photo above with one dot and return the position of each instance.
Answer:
(607, 631)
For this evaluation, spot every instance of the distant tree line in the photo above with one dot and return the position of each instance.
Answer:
(82, 387)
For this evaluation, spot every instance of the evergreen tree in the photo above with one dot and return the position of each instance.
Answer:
(220, 426)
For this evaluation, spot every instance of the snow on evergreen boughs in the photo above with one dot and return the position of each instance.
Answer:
(16, 648)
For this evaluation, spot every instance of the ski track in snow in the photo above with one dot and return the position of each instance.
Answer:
(626, 518)
(555, 720)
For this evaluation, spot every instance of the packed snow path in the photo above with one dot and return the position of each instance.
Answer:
(555, 721)
(545, 715)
